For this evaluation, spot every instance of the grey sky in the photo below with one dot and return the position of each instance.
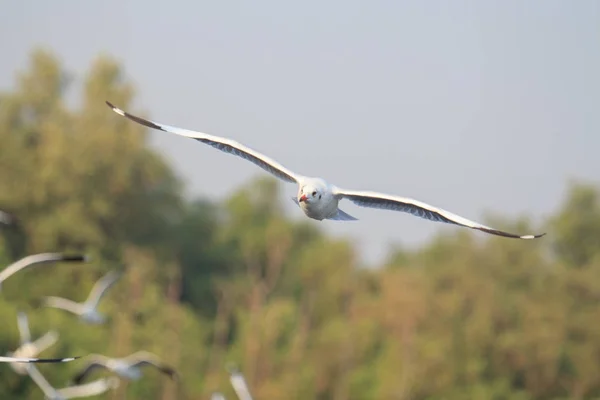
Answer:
(471, 106)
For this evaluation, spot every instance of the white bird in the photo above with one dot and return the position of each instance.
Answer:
(317, 198)
(127, 367)
(239, 383)
(28, 348)
(89, 389)
(87, 311)
(39, 259)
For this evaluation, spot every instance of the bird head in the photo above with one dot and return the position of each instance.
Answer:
(310, 194)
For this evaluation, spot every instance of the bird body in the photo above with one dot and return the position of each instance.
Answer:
(88, 310)
(318, 199)
(123, 368)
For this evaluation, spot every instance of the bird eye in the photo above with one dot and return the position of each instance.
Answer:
(314, 193)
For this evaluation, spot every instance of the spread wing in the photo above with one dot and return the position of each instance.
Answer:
(39, 259)
(89, 389)
(419, 209)
(96, 362)
(101, 287)
(63, 304)
(23, 324)
(36, 360)
(42, 383)
(223, 144)
(45, 341)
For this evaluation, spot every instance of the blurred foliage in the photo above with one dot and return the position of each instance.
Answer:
(467, 316)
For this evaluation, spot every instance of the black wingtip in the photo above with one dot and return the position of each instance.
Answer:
(510, 235)
(75, 258)
(132, 117)
(55, 360)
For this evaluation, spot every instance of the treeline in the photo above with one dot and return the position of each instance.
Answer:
(467, 316)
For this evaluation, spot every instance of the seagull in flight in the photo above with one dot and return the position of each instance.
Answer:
(28, 348)
(127, 367)
(89, 389)
(239, 383)
(317, 198)
(39, 259)
(87, 311)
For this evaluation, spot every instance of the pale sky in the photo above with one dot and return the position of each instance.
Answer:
(473, 106)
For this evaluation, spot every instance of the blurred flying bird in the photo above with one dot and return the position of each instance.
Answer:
(127, 367)
(89, 389)
(317, 198)
(87, 311)
(28, 348)
(39, 259)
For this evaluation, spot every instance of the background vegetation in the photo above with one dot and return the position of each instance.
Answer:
(206, 283)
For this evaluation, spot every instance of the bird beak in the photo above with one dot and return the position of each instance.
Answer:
(302, 198)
